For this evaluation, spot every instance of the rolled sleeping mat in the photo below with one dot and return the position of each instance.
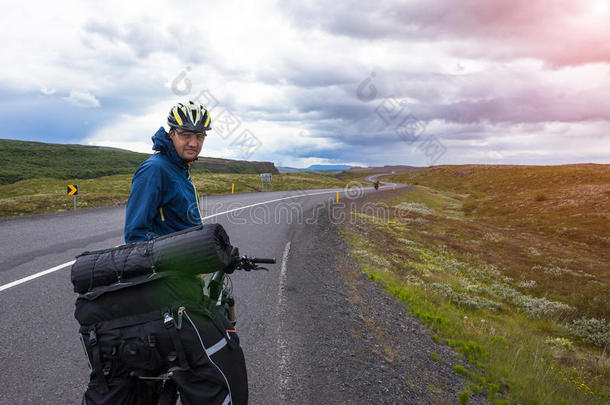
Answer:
(199, 250)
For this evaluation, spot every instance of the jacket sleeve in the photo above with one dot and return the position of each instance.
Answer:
(144, 202)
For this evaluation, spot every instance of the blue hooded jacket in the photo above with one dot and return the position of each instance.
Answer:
(163, 198)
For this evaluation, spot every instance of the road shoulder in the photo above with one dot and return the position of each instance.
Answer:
(347, 341)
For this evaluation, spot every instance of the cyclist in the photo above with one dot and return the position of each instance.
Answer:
(376, 184)
(160, 330)
(163, 198)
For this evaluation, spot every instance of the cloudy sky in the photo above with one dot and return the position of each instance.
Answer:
(329, 82)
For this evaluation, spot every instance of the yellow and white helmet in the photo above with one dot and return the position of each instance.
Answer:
(190, 116)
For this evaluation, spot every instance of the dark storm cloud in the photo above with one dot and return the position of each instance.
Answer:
(147, 37)
(559, 32)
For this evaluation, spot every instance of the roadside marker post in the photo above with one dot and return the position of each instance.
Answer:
(233, 188)
(73, 191)
(266, 182)
(337, 196)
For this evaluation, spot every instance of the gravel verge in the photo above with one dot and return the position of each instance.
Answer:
(342, 339)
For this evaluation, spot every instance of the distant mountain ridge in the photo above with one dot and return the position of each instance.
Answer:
(359, 169)
(387, 168)
(23, 160)
(329, 167)
(219, 165)
(321, 168)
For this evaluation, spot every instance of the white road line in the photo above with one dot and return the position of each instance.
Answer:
(270, 201)
(33, 276)
(282, 343)
(283, 274)
(61, 266)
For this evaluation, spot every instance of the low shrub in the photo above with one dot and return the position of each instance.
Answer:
(593, 331)
(560, 342)
(417, 208)
(527, 284)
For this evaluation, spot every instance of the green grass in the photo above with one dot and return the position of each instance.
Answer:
(570, 200)
(44, 195)
(514, 300)
(34, 177)
(435, 357)
(464, 397)
(28, 160)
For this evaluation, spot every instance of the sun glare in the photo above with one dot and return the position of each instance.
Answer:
(600, 7)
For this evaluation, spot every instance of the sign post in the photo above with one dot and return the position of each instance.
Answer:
(73, 191)
(266, 183)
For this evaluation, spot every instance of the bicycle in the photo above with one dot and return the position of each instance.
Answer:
(218, 290)
(218, 287)
(151, 352)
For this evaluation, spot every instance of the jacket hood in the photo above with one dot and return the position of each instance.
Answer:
(163, 144)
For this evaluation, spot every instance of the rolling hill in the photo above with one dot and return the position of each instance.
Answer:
(23, 160)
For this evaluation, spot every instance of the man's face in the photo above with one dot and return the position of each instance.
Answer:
(188, 144)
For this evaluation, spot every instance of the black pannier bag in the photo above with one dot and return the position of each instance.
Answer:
(199, 250)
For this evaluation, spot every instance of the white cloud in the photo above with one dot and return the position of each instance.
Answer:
(278, 140)
(47, 91)
(83, 99)
(131, 131)
(287, 69)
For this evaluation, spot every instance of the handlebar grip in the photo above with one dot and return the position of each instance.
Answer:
(263, 260)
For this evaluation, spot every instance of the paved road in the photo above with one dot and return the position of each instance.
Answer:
(373, 177)
(41, 356)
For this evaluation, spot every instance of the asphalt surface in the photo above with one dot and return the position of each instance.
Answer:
(40, 353)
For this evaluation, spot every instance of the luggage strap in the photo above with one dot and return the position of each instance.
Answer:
(168, 321)
(130, 320)
(172, 327)
(122, 322)
(96, 353)
(164, 315)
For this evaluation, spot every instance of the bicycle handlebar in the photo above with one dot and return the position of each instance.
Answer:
(250, 263)
(262, 260)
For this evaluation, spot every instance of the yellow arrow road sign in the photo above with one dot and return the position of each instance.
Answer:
(72, 189)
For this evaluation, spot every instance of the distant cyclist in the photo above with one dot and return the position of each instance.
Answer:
(142, 349)
(376, 184)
